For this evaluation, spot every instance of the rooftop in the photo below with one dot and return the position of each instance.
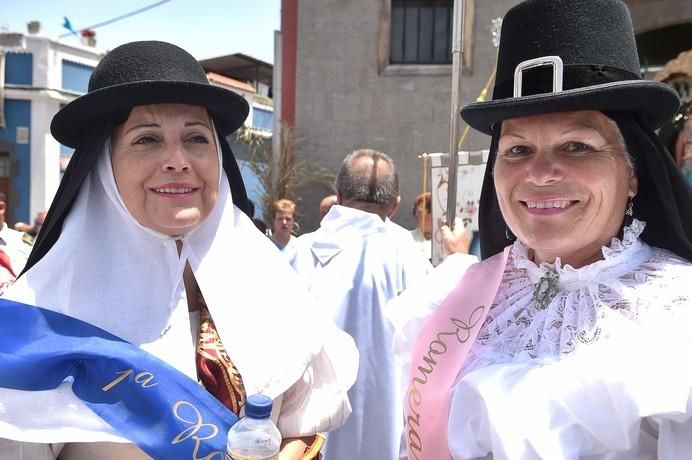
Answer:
(230, 82)
(240, 67)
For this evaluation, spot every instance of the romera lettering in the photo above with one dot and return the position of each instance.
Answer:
(436, 348)
(414, 443)
(441, 344)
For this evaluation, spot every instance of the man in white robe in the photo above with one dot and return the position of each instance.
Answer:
(354, 264)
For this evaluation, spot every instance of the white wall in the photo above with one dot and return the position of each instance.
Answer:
(46, 100)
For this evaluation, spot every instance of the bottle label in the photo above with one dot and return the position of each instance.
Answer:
(232, 456)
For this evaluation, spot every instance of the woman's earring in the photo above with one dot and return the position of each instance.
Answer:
(509, 235)
(629, 212)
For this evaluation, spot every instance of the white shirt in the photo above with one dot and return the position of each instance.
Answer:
(601, 373)
(354, 264)
(424, 246)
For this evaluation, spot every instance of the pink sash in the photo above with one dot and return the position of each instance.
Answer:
(440, 351)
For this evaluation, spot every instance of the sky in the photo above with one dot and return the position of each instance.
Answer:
(205, 28)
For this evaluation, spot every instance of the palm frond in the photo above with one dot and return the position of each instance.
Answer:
(280, 176)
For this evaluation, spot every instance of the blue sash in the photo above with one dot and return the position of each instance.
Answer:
(167, 414)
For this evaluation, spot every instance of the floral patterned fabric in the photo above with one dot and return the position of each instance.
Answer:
(215, 370)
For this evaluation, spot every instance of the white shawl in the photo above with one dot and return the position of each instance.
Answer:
(112, 272)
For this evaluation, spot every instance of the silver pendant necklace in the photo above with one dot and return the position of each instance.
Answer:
(545, 290)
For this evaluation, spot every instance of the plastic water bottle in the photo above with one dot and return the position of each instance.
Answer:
(254, 437)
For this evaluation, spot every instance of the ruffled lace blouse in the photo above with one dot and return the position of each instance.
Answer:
(633, 282)
(602, 371)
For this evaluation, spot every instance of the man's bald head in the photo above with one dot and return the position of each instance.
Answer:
(368, 180)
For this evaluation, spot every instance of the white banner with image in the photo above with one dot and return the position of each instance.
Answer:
(471, 168)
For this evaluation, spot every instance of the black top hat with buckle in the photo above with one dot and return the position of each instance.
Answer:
(142, 73)
(568, 55)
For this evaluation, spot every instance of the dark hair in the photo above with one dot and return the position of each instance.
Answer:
(250, 209)
(120, 117)
(368, 182)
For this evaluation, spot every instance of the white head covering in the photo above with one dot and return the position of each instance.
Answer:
(109, 270)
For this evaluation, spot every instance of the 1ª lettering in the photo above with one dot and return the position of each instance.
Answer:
(144, 379)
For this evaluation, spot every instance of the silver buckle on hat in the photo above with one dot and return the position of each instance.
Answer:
(554, 61)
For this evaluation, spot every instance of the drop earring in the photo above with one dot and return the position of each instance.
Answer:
(629, 212)
(509, 235)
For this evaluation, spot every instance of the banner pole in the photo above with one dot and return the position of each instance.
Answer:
(457, 61)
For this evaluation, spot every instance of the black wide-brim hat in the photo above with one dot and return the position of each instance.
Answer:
(595, 44)
(143, 73)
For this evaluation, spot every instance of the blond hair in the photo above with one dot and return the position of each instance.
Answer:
(283, 205)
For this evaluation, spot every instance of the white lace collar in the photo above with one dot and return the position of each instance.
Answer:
(633, 283)
(569, 277)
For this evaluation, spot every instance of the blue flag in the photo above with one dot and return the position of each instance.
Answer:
(167, 414)
(66, 24)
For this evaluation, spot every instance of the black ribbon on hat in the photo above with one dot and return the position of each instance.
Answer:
(540, 80)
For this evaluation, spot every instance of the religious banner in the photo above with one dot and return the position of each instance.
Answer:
(471, 168)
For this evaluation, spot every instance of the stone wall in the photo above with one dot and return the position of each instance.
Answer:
(343, 102)
(652, 14)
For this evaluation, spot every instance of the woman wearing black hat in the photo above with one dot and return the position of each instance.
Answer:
(570, 339)
(147, 239)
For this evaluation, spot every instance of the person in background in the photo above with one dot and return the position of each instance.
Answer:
(31, 231)
(14, 249)
(148, 239)
(453, 242)
(326, 204)
(422, 213)
(283, 214)
(354, 264)
(567, 340)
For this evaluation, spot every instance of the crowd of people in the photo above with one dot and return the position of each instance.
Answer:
(152, 303)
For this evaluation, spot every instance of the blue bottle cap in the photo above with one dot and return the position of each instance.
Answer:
(258, 406)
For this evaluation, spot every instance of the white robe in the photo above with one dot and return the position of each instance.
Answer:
(601, 373)
(354, 264)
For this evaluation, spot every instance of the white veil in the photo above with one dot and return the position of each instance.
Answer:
(108, 270)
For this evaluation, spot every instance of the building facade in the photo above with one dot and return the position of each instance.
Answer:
(377, 74)
(39, 75)
(253, 79)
